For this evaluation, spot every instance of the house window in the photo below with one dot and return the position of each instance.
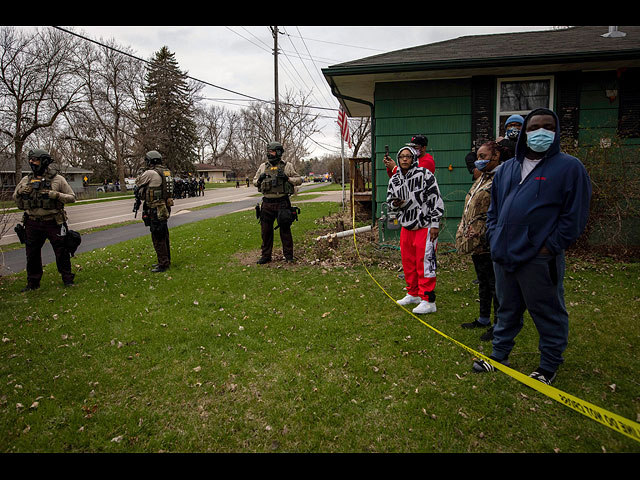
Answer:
(521, 96)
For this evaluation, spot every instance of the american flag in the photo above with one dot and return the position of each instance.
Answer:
(343, 122)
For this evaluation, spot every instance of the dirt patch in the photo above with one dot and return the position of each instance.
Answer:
(331, 252)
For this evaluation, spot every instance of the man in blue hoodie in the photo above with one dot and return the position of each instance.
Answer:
(539, 207)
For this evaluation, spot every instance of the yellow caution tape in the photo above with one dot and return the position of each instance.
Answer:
(612, 420)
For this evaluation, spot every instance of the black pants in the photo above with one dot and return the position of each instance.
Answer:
(487, 284)
(160, 239)
(37, 233)
(268, 215)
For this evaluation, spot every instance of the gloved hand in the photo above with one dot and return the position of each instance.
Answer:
(52, 194)
(283, 176)
(262, 177)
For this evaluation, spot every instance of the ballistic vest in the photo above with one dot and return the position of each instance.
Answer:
(274, 184)
(35, 199)
(165, 190)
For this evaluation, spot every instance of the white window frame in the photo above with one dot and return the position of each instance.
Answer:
(502, 80)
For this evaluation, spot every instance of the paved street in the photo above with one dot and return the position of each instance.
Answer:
(92, 215)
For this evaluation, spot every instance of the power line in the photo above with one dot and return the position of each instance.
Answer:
(149, 63)
(342, 44)
(187, 76)
(146, 62)
(305, 67)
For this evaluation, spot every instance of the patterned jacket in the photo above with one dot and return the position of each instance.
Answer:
(421, 203)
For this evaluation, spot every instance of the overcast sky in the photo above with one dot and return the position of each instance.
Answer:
(240, 59)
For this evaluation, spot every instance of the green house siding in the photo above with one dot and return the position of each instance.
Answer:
(440, 109)
(613, 162)
(598, 115)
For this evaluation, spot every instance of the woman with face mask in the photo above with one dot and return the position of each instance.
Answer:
(470, 237)
(512, 126)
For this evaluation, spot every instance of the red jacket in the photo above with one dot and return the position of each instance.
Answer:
(425, 161)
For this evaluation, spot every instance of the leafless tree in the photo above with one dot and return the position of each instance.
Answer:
(360, 135)
(104, 123)
(38, 82)
(217, 129)
(256, 130)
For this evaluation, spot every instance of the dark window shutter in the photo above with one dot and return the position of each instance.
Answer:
(482, 105)
(568, 103)
(629, 103)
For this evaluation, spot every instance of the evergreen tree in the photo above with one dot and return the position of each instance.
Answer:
(168, 119)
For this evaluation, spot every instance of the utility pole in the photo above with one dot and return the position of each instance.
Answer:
(274, 31)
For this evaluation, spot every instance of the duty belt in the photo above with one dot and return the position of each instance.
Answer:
(44, 218)
(275, 200)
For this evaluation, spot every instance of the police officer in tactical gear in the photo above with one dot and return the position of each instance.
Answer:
(42, 195)
(154, 187)
(276, 179)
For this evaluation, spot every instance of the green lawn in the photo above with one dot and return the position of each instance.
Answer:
(222, 355)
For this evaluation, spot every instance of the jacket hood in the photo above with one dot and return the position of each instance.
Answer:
(521, 145)
(414, 152)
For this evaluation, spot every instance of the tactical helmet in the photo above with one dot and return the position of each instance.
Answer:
(153, 157)
(276, 147)
(43, 156)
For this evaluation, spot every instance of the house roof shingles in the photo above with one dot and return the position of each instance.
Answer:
(582, 40)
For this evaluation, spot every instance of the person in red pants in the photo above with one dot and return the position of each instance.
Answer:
(414, 194)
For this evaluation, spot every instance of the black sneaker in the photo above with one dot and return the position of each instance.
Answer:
(159, 269)
(488, 335)
(289, 259)
(28, 288)
(474, 324)
(263, 260)
(481, 366)
(545, 378)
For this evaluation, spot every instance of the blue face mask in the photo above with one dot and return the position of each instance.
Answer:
(481, 164)
(540, 140)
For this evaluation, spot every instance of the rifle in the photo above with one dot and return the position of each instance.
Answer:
(136, 205)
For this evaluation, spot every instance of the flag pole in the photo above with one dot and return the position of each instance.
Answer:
(342, 155)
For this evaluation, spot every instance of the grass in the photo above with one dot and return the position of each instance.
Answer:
(222, 355)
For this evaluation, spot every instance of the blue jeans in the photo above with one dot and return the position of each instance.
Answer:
(537, 287)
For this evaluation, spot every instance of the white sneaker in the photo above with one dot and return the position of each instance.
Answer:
(425, 307)
(408, 299)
